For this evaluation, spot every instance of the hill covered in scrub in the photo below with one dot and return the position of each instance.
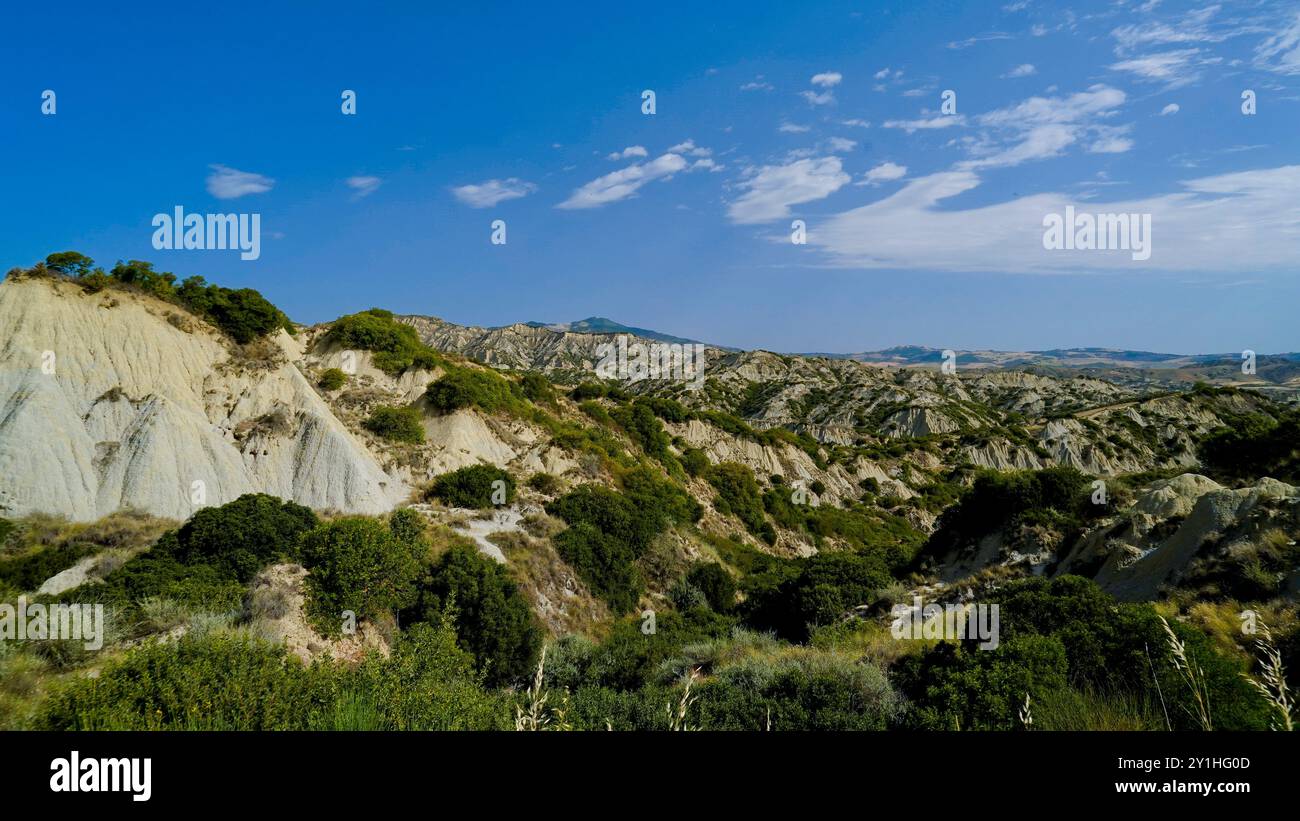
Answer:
(726, 558)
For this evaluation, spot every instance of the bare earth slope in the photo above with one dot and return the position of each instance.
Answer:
(105, 403)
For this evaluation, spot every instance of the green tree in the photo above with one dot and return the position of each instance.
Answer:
(358, 564)
(493, 620)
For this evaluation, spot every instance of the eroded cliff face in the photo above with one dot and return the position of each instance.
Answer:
(118, 400)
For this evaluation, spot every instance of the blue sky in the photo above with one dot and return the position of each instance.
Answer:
(923, 227)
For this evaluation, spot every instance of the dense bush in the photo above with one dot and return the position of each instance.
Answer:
(242, 313)
(241, 537)
(473, 487)
(493, 620)
(545, 483)
(1254, 447)
(717, 585)
(332, 379)
(214, 683)
(397, 424)
(608, 531)
(429, 683)
(740, 496)
(959, 687)
(1059, 495)
(228, 682)
(473, 387)
(360, 565)
(537, 388)
(396, 347)
(800, 692)
(798, 595)
(643, 427)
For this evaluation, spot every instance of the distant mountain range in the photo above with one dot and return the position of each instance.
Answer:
(604, 325)
(901, 355)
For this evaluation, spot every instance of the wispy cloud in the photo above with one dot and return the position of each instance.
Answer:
(230, 183)
(772, 189)
(489, 193)
(757, 84)
(1042, 127)
(1241, 222)
(1175, 69)
(792, 128)
(927, 123)
(363, 186)
(979, 38)
(1172, 108)
(1022, 70)
(626, 182)
(1281, 51)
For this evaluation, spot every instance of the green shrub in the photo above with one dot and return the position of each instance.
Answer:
(396, 347)
(959, 687)
(358, 564)
(493, 620)
(695, 461)
(544, 483)
(397, 424)
(241, 537)
(809, 691)
(717, 585)
(739, 495)
(472, 387)
(473, 487)
(332, 379)
(794, 596)
(219, 682)
(429, 683)
(537, 388)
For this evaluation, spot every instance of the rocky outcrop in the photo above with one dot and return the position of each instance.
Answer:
(118, 400)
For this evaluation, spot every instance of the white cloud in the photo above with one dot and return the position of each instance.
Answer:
(1172, 108)
(1043, 127)
(818, 98)
(842, 144)
(689, 147)
(629, 152)
(1022, 70)
(791, 128)
(363, 186)
(772, 189)
(882, 74)
(1111, 141)
(856, 123)
(827, 79)
(885, 172)
(757, 84)
(1193, 28)
(925, 124)
(1281, 51)
(624, 183)
(228, 183)
(489, 193)
(1241, 222)
(1174, 68)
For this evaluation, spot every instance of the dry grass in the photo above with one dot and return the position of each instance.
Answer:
(1192, 675)
(1271, 682)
